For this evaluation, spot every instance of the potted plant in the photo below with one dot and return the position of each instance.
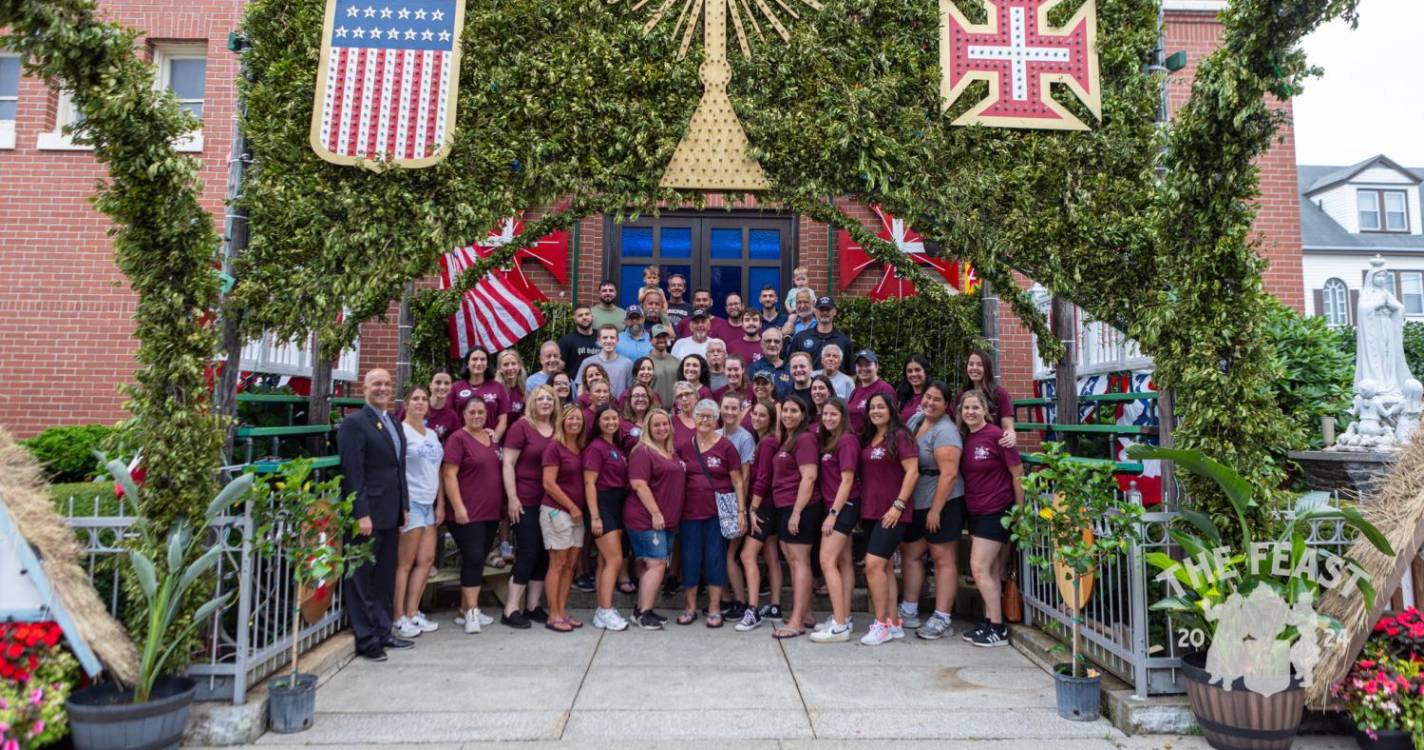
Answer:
(1384, 690)
(154, 710)
(303, 522)
(1251, 606)
(36, 675)
(1068, 497)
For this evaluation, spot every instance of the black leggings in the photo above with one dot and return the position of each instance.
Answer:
(474, 540)
(531, 560)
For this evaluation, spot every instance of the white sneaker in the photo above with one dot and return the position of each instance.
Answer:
(910, 620)
(406, 628)
(896, 630)
(609, 619)
(424, 623)
(827, 624)
(835, 633)
(484, 618)
(472, 621)
(877, 634)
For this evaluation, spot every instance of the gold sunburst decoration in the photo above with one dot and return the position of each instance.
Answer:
(713, 153)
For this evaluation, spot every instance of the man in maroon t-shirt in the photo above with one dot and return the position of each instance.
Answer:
(747, 341)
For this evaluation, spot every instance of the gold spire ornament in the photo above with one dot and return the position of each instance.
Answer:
(713, 153)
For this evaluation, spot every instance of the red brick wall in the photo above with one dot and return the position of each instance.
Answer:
(65, 310)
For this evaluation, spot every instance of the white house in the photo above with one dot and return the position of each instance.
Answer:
(1347, 216)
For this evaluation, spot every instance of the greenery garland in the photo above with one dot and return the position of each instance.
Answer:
(163, 239)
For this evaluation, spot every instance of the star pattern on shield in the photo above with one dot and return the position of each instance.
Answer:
(551, 251)
(854, 259)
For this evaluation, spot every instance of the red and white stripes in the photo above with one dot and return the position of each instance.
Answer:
(493, 315)
(385, 102)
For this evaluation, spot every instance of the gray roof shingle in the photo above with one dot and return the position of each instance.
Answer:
(1319, 232)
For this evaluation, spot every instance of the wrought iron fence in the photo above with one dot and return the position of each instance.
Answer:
(245, 642)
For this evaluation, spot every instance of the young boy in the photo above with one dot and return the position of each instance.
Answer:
(802, 279)
(652, 279)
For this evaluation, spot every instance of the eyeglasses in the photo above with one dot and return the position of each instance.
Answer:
(707, 417)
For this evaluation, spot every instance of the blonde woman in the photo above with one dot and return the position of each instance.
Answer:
(509, 371)
(561, 513)
(653, 510)
(524, 489)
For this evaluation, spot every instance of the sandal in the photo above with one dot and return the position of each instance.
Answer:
(714, 620)
(559, 626)
(573, 622)
(687, 618)
(782, 634)
(627, 587)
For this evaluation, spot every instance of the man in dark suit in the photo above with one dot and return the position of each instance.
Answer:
(372, 447)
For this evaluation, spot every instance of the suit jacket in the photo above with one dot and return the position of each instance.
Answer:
(372, 468)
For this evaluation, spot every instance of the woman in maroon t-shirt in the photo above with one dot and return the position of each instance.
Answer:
(912, 387)
(640, 400)
(510, 373)
(840, 454)
(563, 386)
(889, 467)
(867, 384)
(442, 416)
(561, 514)
(592, 373)
(992, 484)
(683, 425)
(605, 483)
(979, 369)
(694, 369)
(599, 396)
(822, 391)
(524, 490)
(470, 475)
(790, 490)
(713, 467)
(658, 479)
(735, 370)
(477, 383)
(645, 373)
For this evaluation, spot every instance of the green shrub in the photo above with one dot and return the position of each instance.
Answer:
(1314, 371)
(67, 453)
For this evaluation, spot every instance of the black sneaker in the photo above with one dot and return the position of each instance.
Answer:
(771, 612)
(992, 636)
(671, 587)
(971, 633)
(538, 614)
(584, 583)
(374, 654)
(734, 611)
(655, 614)
(518, 621)
(649, 621)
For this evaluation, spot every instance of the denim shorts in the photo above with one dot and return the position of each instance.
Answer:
(651, 545)
(419, 516)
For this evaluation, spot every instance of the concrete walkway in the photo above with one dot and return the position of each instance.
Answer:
(700, 686)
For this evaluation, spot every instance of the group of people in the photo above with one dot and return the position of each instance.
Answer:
(692, 457)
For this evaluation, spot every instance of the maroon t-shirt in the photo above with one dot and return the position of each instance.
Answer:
(700, 500)
(862, 394)
(988, 485)
(761, 467)
(786, 468)
(611, 463)
(911, 405)
(445, 421)
(494, 395)
(666, 478)
(750, 350)
(628, 434)
(681, 433)
(1000, 405)
(570, 478)
(841, 457)
(524, 437)
(479, 475)
(515, 402)
(882, 476)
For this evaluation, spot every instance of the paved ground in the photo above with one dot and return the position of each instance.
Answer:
(691, 686)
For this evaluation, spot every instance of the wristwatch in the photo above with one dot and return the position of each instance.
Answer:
(900, 505)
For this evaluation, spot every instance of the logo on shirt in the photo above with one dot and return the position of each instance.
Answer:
(465, 393)
(808, 344)
(783, 454)
(613, 456)
(490, 397)
(981, 453)
(713, 461)
(682, 463)
(877, 453)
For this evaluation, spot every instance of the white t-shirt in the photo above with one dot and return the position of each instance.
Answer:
(423, 454)
(685, 346)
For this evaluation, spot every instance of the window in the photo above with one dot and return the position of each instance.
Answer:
(724, 254)
(1411, 292)
(1383, 211)
(1335, 303)
(182, 68)
(9, 98)
(65, 114)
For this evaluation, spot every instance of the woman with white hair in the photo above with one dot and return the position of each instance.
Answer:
(831, 360)
(713, 468)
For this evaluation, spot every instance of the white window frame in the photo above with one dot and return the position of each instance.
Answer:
(7, 127)
(1335, 302)
(1385, 195)
(165, 52)
(65, 113)
(1416, 277)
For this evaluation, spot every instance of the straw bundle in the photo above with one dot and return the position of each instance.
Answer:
(1397, 510)
(26, 499)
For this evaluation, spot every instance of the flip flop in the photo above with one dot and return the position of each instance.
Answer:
(687, 618)
(559, 626)
(714, 620)
(627, 587)
(782, 634)
(573, 622)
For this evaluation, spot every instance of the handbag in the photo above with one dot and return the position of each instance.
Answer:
(1012, 601)
(727, 506)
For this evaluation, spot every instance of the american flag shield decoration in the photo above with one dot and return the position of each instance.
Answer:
(388, 82)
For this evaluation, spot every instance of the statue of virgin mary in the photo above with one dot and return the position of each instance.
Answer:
(1379, 334)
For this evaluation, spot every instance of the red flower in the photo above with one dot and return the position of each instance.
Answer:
(13, 651)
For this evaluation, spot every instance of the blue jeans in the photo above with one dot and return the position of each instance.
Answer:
(704, 553)
(651, 544)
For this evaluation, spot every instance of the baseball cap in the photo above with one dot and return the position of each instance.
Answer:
(635, 311)
(698, 313)
(868, 356)
(825, 303)
(763, 375)
(661, 330)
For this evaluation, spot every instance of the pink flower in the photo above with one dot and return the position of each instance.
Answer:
(37, 729)
(11, 745)
(37, 696)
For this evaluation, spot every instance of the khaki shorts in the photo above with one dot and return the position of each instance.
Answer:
(560, 531)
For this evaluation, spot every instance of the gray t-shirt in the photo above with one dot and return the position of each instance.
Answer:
(745, 444)
(942, 433)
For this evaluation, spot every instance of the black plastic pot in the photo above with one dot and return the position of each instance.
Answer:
(1079, 698)
(1239, 718)
(104, 717)
(292, 708)
(1389, 739)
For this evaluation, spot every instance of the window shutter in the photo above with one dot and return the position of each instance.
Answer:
(1319, 295)
(1354, 305)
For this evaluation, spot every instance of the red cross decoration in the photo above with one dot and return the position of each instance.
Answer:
(1019, 54)
(551, 251)
(854, 259)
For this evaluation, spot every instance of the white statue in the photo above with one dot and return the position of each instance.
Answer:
(1379, 334)
(1406, 413)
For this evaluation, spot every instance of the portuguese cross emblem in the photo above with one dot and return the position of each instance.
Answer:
(1020, 54)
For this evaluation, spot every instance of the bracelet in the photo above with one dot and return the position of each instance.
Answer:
(834, 512)
(900, 505)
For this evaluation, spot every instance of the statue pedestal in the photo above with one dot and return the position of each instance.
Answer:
(1356, 473)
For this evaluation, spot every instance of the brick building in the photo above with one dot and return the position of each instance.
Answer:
(65, 309)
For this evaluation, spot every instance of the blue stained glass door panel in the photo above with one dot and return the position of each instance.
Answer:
(637, 242)
(760, 276)
(725, 280)
(764, 244)
(676, 243)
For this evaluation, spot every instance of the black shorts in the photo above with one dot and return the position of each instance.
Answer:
(766, 517)
(990, 526)
(849, 517)
(882, 541)
(913, 519)
(610, 509)
(809, 529)
(951, 521)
